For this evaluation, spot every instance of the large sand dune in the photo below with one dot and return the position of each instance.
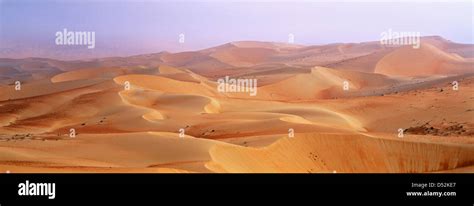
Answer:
(315, 153)
(173, 118)
(426, 61)
(324, 83)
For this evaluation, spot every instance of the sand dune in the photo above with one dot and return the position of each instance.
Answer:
(134, 152)
(43, 87)
(243, 56)
(365, 63)
(425, 61)
(87, 74)
(324, 83)
(309, 153)
(266, 45)
(173, 118)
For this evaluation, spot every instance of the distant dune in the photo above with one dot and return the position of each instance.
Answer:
(324, 83)
(343, 107)
(425, 61)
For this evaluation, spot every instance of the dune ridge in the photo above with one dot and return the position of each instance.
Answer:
(425, 61)
(309, 153)
(319, 109)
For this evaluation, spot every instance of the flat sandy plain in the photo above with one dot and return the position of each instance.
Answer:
(173, 119)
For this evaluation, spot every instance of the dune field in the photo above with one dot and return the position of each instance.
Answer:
(337, 108)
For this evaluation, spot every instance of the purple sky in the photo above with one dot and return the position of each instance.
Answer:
(27, 28)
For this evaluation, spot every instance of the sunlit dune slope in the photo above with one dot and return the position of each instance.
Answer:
(164, 112)
(133, 152)
(324, 83)
(425, 61)
(341, 153)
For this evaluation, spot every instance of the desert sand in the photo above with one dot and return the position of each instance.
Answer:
(163, 112)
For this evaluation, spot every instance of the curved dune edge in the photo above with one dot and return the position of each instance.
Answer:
(425, 61)
(236, 132)
(163, 84)
(312, 115)
(154, 114)
(151, 115)
(320, 83)
(342, 153)
(301, 120)
(323, 83)
(214, 105)
(143, 152)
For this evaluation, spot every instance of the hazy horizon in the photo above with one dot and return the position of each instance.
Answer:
(27, 28)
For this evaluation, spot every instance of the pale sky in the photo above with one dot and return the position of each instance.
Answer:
(27, 28)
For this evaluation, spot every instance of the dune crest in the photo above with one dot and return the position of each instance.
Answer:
(324, 83)
(309, 153)
(425, 61)
(338, 107)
